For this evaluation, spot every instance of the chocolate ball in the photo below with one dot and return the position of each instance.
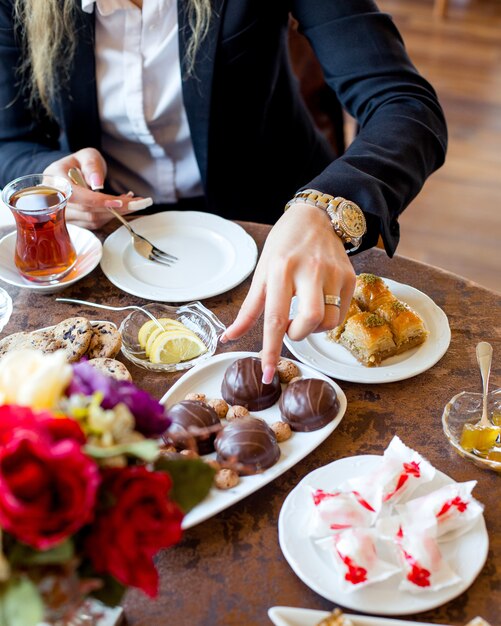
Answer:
(308, 404)
(242, 384)
(250, 442)
(192, 413)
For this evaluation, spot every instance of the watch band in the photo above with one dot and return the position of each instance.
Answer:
(346, 217)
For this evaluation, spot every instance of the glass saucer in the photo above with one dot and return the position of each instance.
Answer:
(466, 408)
(194, 315)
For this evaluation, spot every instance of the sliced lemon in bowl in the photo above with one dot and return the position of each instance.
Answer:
(148, 327)
(174, 346)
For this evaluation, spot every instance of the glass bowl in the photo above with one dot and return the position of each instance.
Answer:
(466, 408)
(193, 315)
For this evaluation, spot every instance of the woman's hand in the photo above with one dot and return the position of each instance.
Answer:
(302, 257)
(87, 206)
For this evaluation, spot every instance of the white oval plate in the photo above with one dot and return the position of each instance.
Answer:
(335, 360)
(291, 616)
(466, 554)
(207, 378)
(88, 249)
(214, 254)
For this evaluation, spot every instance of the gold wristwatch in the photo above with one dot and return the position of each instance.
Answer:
(346, 217)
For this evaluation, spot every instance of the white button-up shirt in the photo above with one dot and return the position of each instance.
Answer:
(145, 135)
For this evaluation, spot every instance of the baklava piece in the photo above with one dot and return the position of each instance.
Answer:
(406, 326)
(335, 333)
(370, 291)
(369, 338)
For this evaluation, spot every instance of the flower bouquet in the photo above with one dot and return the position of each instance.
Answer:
(86, 498)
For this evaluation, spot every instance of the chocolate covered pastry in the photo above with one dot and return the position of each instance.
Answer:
(192, 413)
(250, 443)
(242, 385)
(308, 404)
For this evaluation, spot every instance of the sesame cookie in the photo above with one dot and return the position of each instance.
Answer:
(111, 367)
(105, 342)
(75, 333)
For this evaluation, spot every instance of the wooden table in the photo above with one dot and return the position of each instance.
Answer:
(229, 570)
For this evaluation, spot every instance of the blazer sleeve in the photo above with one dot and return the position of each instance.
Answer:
(28, 141)
(402, 134)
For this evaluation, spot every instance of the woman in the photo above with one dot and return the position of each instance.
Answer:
(203, 93)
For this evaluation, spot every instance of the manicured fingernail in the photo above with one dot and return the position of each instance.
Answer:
(130, 194)
(223, 338)
(137, 205)
(268, 373)
(113, 204)
(96, 182)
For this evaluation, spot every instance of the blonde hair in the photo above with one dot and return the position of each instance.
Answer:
(47, 28)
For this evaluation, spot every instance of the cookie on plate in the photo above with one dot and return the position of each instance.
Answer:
(75, 334)
(105, 342)
(111, 367)
(42, 340)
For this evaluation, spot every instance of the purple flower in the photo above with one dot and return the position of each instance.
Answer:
(149, 413)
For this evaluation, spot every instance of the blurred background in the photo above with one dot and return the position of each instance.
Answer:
(455, 222)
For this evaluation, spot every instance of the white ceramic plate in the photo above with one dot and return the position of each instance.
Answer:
(214, 255)
(291, 616)
(335, 360)
(88, 249)
(466, 554)
(207, 378)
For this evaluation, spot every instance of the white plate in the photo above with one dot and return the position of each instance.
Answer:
(335, 360)
(291, 616)
(207, 378)
(214, 255)
(88, 249)
(466, 555)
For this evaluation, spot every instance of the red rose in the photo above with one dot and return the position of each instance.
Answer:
(48, 485)
(139, 522)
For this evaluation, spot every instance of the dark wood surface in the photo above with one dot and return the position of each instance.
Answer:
(229, 570)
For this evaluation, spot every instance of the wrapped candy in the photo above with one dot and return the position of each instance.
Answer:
(421, 559)
(356, 559)
(401, 471)
(332, 511)
(452, 506)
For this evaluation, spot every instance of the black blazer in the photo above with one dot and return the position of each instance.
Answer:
(253, 137)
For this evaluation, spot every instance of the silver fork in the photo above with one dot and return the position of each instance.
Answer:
(143, 246)
(131, 307)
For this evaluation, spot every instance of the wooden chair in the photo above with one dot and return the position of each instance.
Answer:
(440, 8)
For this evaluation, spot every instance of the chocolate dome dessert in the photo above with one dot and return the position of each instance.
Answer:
(242, 384)
(192, 413)
(250, 442)
(308, 404)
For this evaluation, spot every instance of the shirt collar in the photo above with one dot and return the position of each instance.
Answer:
(106, 7)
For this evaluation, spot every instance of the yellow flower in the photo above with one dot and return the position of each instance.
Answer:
(31, 378)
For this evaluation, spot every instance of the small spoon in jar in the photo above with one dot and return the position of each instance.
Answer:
(484, 360)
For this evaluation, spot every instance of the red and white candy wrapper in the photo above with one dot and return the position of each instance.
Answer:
(401, 471)
(452, 506)
(336, 510)
(355, 558)
(421, 559)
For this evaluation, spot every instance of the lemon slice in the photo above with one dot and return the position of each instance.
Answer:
(174, 346)
(148, 327)
(156, 332)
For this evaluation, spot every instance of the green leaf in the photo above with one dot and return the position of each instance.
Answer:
(20, 603)
(192, 480)
(24, 555)
(146, 450)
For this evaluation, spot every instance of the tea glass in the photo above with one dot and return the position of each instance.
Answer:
(44, 252)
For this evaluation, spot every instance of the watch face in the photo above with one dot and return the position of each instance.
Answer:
(352, 219)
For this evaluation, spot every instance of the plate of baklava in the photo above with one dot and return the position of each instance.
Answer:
(391, 332)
